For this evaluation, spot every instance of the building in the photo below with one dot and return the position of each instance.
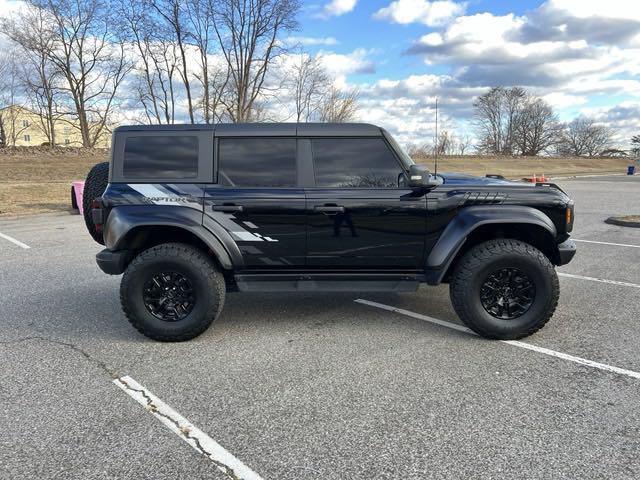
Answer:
(22, 127)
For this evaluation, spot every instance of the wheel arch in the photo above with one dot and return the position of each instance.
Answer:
(475, 225)
(137, 228)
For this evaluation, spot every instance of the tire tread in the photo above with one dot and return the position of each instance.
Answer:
(477, 257)
(195, 257)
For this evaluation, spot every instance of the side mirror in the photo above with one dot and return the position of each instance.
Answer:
(420, 177)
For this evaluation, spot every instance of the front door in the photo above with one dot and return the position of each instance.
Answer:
(256, 199)
(360, 213)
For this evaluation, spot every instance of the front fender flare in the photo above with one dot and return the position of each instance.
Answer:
(122, 219)
(470, 218)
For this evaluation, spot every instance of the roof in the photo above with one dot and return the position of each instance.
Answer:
(267, 129)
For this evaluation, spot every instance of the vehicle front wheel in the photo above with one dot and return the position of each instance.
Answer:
(172, 292)
(504, 289)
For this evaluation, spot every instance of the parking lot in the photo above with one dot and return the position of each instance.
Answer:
(311, 386)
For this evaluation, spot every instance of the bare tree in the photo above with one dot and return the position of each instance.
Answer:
(173, 13)
(635, 145)
(248, 32)
(11, 99)
(583, 136)
(308, 82)
(445, 144)
(156, 67)
(510, 121)
(339, 106)
(212, 77)
(91, 58)
(535, 127)
(464, 144)
(488, 120)
(30, 32)
(495, 119)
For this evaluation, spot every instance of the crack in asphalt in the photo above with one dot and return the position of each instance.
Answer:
(99, 363)
(184, 431)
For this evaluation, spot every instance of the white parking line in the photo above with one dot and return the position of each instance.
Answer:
(200, 441)
(607, 243)
(515, 343)
(13, 240)
(601, 280)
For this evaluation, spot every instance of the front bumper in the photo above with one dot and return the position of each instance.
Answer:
(566, 251)
(112, 262)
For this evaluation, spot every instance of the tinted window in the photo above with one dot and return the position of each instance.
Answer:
(257, 162)
(152, 156)
(348, 162)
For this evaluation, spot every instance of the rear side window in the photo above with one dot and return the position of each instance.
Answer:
(355, 163)
(157, 156)
(257, 162)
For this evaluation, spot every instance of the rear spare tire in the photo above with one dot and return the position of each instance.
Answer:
(94, 187)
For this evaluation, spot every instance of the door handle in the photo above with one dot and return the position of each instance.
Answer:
(227, 208)
(328, 209)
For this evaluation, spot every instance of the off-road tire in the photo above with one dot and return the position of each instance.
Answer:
(94, 187)
(474, 268)
(197, 266)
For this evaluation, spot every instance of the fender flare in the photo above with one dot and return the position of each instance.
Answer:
(469, 219)
(124, 218)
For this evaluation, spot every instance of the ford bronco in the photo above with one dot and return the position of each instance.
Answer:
(191, 212)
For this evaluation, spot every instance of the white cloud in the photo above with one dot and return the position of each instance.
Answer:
(311, 41)
(622, 9)
(621, 118)
(421, 11)
(335, 8)
(7, 7)
(339, 65)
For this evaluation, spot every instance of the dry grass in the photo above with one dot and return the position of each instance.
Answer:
(519, 167)
(37, 180)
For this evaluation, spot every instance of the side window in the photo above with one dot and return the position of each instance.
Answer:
(157, 156)
(257, 162)
(355, 163)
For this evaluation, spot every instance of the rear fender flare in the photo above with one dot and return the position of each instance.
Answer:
(123, 219)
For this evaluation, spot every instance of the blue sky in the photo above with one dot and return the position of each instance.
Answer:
(582, 56)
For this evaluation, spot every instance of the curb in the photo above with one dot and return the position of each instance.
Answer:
(621, 222)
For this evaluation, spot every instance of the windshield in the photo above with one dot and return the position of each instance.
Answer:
(404, 156)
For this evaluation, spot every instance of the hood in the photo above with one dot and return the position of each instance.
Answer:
(464, 179)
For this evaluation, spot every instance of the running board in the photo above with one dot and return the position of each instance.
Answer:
(330, 282)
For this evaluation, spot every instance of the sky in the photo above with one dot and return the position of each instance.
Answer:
(582, 56)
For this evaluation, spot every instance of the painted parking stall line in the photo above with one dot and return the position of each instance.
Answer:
(14, 241)
(601, 280)
(226, 462)
(515, 343)
(607, 243)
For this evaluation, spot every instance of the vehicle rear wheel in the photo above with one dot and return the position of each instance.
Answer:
(172, 292)
(504, 289)
(94, 187)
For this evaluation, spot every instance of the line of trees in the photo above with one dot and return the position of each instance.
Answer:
(200, 60)
(511, 121)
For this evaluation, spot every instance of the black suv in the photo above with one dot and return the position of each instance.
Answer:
(190, 212)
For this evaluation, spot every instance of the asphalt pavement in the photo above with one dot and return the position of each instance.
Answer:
(320, 386)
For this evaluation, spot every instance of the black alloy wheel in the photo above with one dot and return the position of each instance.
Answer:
(169, 296)
(507, 293)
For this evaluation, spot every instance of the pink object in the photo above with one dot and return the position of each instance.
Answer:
(77, 188)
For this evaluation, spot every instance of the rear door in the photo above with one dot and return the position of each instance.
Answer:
(257, 200)
(361, 214)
